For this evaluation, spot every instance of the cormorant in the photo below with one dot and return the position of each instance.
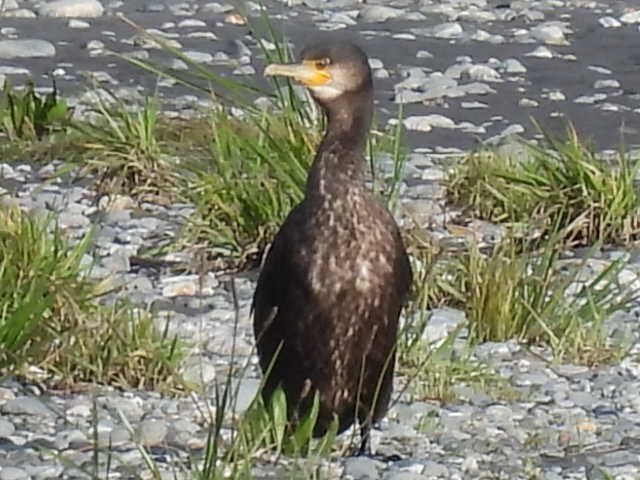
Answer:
(336, 277)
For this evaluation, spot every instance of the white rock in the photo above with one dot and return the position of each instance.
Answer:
(19, 13)
(541, 52)
(447, 30)
(26, 48)
(199, 57)
(441, 323)
(557, 96)
(378, 13)
(482, 73)
(609, 22)
(95, 45)
(473, 105)
(8, 5)
(416, 123)
(596, 97)
(198, 371)
(599, 69)
(527, 102)
(74, 23)
(71, 8)
(191, 22)
(424, 54)
(403, 36)
(375, 63)
(608, 83)
(549, 34)
(424, 123)
(511, 65)
(476, 88)
(631, 17)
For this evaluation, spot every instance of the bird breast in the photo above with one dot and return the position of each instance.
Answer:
(351, 250)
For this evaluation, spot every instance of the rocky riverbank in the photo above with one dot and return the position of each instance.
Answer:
(467, 71)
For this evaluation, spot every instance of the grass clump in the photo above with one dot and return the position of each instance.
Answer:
(253, 177)
(562, 182)
(123, 147)
(520, 290)
(267, 427)
(49, 316)
(27, 115)
(536, 298)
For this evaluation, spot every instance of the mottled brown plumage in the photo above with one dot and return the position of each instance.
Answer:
(336, 276)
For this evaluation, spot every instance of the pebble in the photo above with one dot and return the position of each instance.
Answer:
(609, 22)
(631, 17)
(12, 473)
(71, 8)
(152, 432)
(424, 123)
(379, 13)
(26, 48)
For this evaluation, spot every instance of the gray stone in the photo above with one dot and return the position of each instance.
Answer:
(435, 470)
(541, 52)
(73, 220)
(81, 24)
(631, 17)
(8, 5)
(607, 83)
(13, 473)
(152, 432)
(549, 34)
(511, 65)
(26, 48)
(19, 13)
(482, 73)
(114, 437)
(26, 406)
(596, 97)
(442, 322)
(364, 468)
(476, 88)
(6, 428)
(246, 391)
(447, 30)
(199, 57)
(609, 22)
(424, 123)
(378, 13)
(528, 103)
(198, 371)
(71, 8)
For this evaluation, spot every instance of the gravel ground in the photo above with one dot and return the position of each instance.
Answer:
(467, 71)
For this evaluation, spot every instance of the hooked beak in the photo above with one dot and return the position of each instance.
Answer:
(305, 73)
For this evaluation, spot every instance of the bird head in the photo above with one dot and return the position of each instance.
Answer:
(328, 70)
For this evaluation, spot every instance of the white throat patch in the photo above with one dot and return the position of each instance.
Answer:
(326, 92)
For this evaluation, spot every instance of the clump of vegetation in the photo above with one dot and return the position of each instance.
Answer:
(267, 427)
(537, 298)
(525, 291)
(27, 115)
(123, 147)
(253, 177)
(49, 316)
(562, 182)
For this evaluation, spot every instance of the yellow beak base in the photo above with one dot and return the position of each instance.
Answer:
(305, 73)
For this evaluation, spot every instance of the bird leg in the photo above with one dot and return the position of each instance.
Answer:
(365, 440)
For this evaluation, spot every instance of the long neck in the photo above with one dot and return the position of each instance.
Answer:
(340, 154)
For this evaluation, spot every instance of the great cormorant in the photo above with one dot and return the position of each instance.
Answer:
(335, 279)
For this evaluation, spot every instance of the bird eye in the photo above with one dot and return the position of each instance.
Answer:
(322, 64)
